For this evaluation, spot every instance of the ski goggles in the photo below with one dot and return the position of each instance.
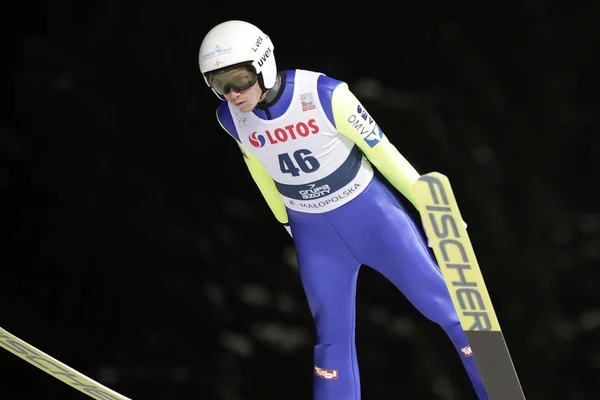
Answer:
(238, 78)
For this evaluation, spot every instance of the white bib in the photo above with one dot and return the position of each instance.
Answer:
(315, 168)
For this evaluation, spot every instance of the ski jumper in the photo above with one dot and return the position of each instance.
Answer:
(313, 154)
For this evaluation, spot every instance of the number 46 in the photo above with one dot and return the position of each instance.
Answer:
(304, 162)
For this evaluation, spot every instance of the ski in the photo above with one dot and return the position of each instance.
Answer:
(56, 368)
(454, 252)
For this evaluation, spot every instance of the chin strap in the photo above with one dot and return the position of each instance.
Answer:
(271, 93)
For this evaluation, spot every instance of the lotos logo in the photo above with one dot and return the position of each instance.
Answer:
(326, 373)
(256, 140)
(288, 132)
(467, 352)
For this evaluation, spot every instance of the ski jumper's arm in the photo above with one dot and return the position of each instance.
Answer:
(352, 120)
(259, 174)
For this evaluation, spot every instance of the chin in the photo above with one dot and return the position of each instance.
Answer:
(245, 107)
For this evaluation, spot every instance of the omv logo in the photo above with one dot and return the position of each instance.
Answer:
(257, 140)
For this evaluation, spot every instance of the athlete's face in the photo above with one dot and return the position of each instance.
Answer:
(245, 100)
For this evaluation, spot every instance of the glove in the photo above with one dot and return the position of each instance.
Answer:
(288, 229)
(429, 240)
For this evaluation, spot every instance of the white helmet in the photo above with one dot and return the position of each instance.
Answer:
(237, 42)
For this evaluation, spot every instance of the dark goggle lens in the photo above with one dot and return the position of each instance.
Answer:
(238, 79)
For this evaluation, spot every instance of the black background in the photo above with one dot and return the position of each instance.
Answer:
(138, 250)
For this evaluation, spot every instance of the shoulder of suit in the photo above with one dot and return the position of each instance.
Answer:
(226, 120)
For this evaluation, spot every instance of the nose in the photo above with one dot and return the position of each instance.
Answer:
(231, 95)
(234, 94)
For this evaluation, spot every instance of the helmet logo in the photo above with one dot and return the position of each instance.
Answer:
(264, 57)
(257, 44)
(218, 51)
